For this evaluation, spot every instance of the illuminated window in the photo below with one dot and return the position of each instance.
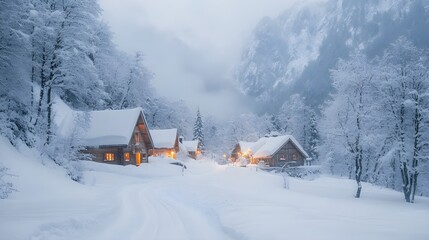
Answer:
(127, 157)
(138, 158)
(109, 157)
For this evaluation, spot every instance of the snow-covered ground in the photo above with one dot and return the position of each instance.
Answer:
(154, 201)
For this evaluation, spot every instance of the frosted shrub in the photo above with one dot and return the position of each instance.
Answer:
(6, 188)
(304, 172)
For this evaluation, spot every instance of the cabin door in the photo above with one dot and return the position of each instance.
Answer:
(138, 158)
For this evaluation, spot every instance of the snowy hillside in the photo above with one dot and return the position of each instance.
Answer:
(294, 52)
(154, 201)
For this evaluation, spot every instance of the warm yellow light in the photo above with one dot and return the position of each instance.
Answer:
(127, 156)
(109, 157)
(224, 156)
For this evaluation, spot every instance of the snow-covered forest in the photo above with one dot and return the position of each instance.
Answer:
(348, 85)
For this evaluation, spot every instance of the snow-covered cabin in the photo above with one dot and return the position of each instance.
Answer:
(118, 136)
(193, 148)
(166, 142)
(274, 151)
(241, 149)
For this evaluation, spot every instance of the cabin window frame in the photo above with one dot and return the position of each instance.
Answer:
(127, 157)
(109, 157)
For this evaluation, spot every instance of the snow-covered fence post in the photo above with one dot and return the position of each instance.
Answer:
(285, 176)
(285, 180)
(183, 169)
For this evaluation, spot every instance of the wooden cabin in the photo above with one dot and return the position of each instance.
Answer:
(242, 149)
(118, 137)
(166, 143)
(193, 148)
(274, 151)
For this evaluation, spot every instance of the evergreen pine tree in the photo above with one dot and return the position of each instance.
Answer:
(314, 137)
(275, 123)
(199, 129)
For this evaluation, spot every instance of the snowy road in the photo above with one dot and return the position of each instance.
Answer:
(155, 201)
(146, 213)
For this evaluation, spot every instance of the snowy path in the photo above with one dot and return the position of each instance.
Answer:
(144, 213)
(155, 201)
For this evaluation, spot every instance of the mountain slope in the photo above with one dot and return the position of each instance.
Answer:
(294, 52)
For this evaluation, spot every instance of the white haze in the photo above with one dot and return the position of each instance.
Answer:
(192, 46)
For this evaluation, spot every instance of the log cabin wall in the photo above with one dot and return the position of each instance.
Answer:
(99, 154)
(288, 153)
(125, 155)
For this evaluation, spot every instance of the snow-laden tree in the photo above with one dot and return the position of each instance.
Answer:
(294, 116)
(349, 131)
(136, 89)
(63, 58)
(313, 137)
(212, 135)
(244, 127)
(76, 78)
(66, 150)
(376, 121)
(275, 124)
(15, 95)
(198, 133)
(247, 127)
(405, 87)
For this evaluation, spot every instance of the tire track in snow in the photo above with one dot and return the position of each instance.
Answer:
(173, 219)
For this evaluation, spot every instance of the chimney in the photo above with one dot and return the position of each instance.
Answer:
(181, 139)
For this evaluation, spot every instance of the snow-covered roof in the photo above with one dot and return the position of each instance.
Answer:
(191, 146)
(164, 138)
(106, 127)
(111, 127)
(268, 146)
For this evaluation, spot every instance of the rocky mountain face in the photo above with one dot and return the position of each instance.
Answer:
(294, 52)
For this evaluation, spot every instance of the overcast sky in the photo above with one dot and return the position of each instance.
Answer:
(192, 46)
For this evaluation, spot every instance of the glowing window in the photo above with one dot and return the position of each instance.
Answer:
(127, 157)
(109, 157)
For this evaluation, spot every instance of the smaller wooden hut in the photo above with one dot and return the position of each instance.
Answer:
(242, 149)
(193, 148)
(281, 150)
(274, 151)
(166, 143)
